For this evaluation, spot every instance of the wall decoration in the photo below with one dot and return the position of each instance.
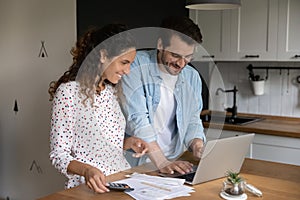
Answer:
(16, 108)
(43, 53)
(36, 166)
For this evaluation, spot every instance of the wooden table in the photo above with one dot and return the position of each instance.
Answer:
(277, 181)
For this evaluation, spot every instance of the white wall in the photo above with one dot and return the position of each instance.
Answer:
(24, 76)
(282, 93)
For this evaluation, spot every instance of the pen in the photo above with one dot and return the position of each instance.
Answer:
(156, 186)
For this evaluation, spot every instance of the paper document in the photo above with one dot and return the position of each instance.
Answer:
(148, 187)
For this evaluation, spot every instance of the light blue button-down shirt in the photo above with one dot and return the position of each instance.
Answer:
(141, 89)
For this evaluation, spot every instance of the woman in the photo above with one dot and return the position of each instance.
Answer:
(87, 125)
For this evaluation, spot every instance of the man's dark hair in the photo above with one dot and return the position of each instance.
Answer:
(190, 32)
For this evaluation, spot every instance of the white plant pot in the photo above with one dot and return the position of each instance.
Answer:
(258, 87)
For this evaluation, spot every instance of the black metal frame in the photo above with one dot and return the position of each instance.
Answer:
(267, 68)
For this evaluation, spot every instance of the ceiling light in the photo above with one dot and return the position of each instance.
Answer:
(212, 4)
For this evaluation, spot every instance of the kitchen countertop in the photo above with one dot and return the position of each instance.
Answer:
(270, 125)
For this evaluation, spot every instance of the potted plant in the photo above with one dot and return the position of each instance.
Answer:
(234, 184)
(257, 83)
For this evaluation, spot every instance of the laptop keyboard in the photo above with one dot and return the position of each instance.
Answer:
(188, 177)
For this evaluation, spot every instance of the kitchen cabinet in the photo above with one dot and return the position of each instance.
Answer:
(276, 148)
(215, 29)
(254, 30)
(289, 30)
(261, 30)
(265, 147)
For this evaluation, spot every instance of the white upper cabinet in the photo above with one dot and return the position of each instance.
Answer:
(254, 30)
(289, 30)
(261, 30)
(215, 29)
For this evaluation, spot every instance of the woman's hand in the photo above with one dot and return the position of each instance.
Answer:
(139, 146)
(95, 179)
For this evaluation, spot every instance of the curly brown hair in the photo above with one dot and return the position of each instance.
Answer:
(85, 67)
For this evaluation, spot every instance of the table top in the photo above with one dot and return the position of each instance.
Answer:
(275, 180)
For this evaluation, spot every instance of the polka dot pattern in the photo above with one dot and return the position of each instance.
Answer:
(92, 135)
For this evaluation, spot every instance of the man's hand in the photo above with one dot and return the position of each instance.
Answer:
(181, 167)
(163, 164)
(197, 147)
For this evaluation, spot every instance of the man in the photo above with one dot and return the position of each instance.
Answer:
(162, 97)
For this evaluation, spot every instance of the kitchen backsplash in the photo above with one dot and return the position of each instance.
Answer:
(281, 92)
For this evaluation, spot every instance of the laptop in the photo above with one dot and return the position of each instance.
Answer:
(218, 157)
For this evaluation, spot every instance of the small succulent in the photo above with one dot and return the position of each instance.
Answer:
(233, 177)
(234, 185)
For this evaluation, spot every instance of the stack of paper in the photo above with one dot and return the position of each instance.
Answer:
(154, 187)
